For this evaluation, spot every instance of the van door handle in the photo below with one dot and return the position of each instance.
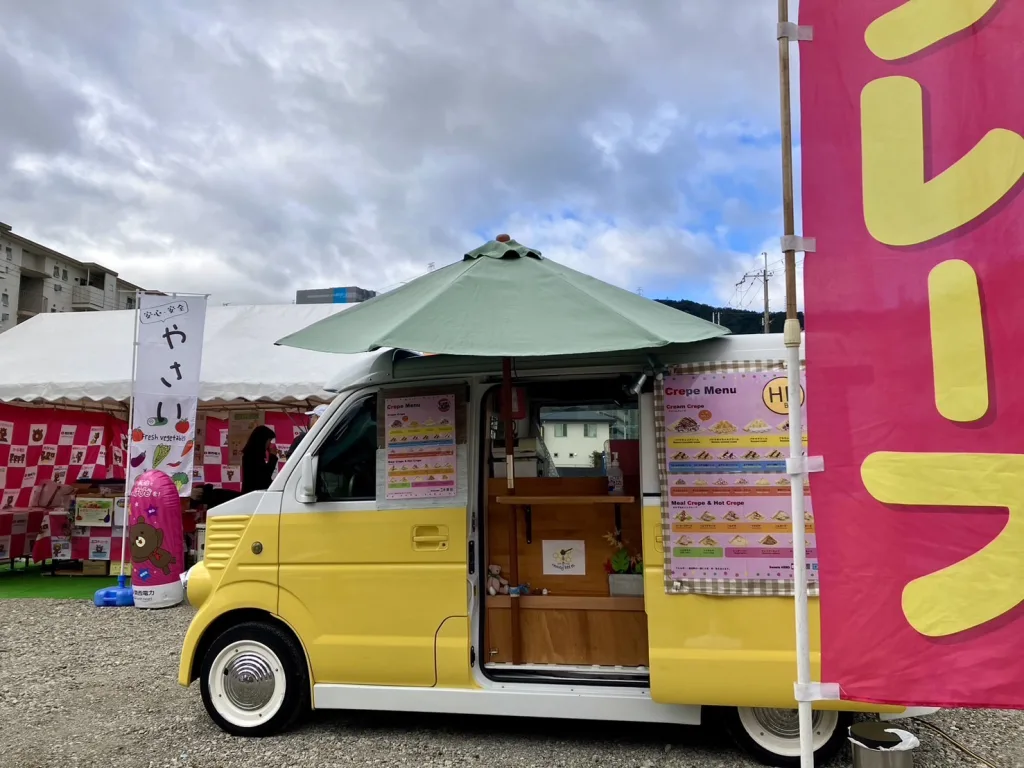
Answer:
(430, 538)
(659, 539)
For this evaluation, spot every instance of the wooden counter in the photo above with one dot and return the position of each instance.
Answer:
(578, 623)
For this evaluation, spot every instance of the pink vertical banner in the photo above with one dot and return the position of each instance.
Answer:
(913, 164)
(157, 541)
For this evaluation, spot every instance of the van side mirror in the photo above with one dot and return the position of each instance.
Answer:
(306, 491)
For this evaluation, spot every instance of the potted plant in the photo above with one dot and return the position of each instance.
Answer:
(625, 569)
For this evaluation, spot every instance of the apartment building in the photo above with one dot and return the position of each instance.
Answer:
(35, 279)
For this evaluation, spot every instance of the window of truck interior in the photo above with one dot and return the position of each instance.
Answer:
(347, 460)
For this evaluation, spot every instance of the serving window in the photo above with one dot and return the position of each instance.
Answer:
(564, 558)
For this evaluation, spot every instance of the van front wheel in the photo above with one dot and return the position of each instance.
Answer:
(254, 680)
(772, 736)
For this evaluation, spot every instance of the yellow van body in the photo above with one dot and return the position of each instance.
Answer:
(385, 605)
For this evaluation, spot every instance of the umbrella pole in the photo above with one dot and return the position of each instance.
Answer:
(513, 510)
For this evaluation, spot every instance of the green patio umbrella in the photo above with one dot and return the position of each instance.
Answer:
(504, 300)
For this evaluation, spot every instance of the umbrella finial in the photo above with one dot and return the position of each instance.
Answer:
(503, 238)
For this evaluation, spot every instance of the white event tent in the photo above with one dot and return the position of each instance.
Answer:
(84, 359)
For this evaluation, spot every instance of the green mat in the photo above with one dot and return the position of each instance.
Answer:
(32, 582)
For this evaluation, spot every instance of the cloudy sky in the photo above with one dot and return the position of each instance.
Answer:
(249, 148)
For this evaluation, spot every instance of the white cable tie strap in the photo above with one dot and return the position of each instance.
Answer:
(799, 465)
(816, 692)
(799, 244)
(787, 30)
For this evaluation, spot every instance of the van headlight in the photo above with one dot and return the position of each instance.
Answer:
(198, 585)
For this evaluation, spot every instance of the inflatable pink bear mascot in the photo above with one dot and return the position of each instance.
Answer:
(157, 541)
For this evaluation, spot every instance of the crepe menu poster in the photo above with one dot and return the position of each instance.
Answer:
(727, 439)
(420, 437)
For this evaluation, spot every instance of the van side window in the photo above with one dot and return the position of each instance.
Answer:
(347, 461)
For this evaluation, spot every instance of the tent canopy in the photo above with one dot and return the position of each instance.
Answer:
(75, 358)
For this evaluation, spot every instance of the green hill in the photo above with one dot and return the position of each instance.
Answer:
(736, 320)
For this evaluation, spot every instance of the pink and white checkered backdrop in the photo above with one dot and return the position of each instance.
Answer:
(42, 444)
(38, 445)
(214, 467)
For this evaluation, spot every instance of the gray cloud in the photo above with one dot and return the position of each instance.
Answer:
(250, 147)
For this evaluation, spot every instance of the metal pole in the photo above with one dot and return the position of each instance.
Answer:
(793, 336)
(131, 426)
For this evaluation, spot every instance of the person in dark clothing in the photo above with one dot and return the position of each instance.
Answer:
(259, 459)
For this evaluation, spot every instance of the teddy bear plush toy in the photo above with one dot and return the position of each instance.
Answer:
(496, 584)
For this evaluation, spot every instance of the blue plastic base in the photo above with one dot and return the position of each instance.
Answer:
(115, 597)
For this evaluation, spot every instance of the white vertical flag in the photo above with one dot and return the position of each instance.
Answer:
(166, 387)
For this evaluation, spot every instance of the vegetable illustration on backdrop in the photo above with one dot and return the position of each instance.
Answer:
(160, 453)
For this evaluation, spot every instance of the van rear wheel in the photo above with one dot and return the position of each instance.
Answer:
(254, 680)
(772, 736)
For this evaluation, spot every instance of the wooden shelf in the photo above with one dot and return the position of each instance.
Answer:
(567, 603)
(522, 501)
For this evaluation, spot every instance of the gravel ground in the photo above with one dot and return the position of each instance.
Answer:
(83, 687)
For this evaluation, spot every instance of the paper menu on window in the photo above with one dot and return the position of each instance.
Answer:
(419, 434)
(726, 444)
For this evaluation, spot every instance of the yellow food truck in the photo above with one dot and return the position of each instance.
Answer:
(343, 587)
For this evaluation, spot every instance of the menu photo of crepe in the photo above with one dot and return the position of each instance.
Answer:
(758, 426)
(781, 516)
(721, 481)
(776, 454)
(723, 427)
(751, 455)
(730, 516)
(708, 541)
(680, 481)
(783, 481)
(768, 541)
(743, 481)
(684, 541)
(763, 481)
(728, 455)
(683, 517)
(738, 541)
(700, 483)
(704, 456)
(808, 517)
(755, 516)
(680, 456)
(707, 517)
(686, 424)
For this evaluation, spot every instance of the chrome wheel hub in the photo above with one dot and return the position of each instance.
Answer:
(248, 681)
(783, 723)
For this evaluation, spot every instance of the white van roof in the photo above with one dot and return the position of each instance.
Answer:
(399, 365)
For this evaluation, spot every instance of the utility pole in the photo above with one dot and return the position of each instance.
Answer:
(767, 313)
(763, 275)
